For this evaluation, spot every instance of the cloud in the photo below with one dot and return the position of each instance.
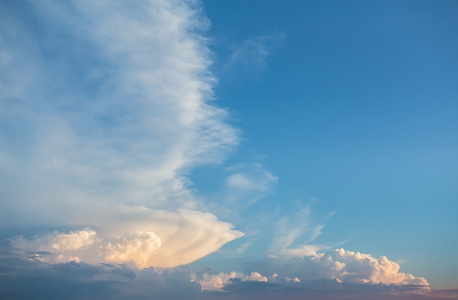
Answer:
(321, 290)
(149, 239)
(251, 178)
(20, 279)
(352, 267)
(253, 52)
(248, 183)
(294, 233)
(242, 249)
(321, 275)
(74, 240)
(341, 265)
(33, 279)
(136, 247)
(107, 109)
(134, 118)
(218, 281)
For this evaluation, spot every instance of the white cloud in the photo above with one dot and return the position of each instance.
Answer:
(137, 247)
(218, 281)
(347, 266)
(248, 183)
(55, 241)
(73, 240)
(339, 265)
(294, 232)
(300, 250)
(139, 117)
(251, 178)
(243, 248)
(87, 281)
(254, 51)
(108, 108)
(146, 238)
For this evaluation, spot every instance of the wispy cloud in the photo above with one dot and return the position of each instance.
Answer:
(253, 52)
(295, 232)
(252, 178)
(110, 106)
(249, 183)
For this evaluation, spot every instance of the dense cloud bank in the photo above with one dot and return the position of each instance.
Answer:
(31, 279)
(25, 279)
(326, 289)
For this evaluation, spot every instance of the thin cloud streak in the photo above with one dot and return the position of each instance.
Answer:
(253, 52)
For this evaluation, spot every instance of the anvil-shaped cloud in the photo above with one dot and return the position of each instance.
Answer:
(148, 238)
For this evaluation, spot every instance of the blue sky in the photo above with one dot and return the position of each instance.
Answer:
(185, 149)
(355, 107)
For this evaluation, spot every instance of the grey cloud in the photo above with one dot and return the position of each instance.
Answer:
(22, 279)
(324, 289)
(26, 279)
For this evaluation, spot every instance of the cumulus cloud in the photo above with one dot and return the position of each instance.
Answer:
(56, 247)
(21, 279)
(33, 279)
(330, 275)
(352, 267)
(156, 238)
(106, 109)
(340, 265)
(137, 247)
(218, 281)
(73, 240)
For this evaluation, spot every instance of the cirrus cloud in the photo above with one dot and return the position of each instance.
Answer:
(110, 106)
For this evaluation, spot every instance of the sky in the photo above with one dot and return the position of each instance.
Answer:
(184, 149)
